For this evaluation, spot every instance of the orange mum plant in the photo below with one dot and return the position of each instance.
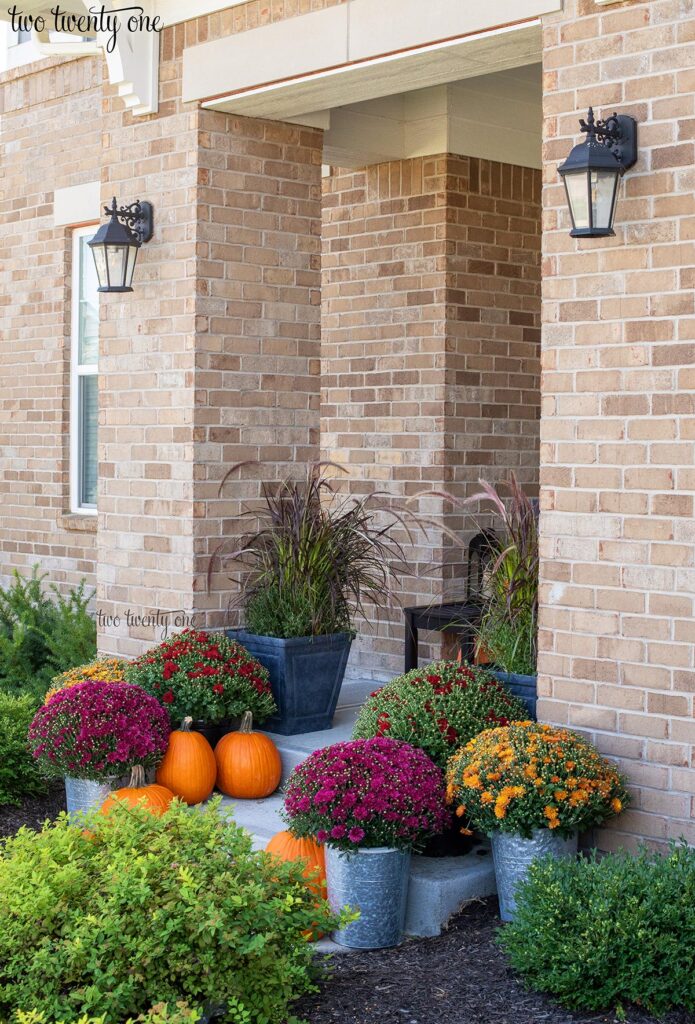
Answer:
(103, 670)
(527, 776)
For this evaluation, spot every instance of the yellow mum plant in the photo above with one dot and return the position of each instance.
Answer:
(527, 776)
(103, 670)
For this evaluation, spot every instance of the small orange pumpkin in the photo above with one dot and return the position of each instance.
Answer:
(248, 763)
(285, 846)
(188, 768)
(155, 798)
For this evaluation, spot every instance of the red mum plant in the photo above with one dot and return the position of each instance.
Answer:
(204, 675)
(367, 793)
(439, 708)
(98, 731)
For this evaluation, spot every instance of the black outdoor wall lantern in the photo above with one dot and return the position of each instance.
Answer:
(116, 243)
(593, 169)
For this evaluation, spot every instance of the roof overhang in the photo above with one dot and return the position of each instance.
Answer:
(360, 50)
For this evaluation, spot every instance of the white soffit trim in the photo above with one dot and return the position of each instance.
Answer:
(350, 36)
(77, 204)
(285, 49)
(437, 64)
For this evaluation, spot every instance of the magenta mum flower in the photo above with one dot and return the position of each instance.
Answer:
(98, 730)
(367, 792)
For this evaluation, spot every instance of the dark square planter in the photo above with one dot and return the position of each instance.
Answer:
(306, 674)
(524, 687)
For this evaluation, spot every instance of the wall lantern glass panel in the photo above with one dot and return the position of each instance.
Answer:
(115, 245)
(593, 170)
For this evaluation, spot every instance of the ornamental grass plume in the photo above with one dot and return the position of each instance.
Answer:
(438, 708)
(98, 731)
(103, 670)
(204, 675)
(367, 793)
(315, 558)
(528, 776)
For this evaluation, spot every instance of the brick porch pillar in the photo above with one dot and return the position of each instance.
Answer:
(431, 316)
(213, 359)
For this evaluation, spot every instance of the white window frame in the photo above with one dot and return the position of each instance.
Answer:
(77, 371)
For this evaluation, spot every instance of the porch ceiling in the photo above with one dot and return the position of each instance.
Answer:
(361, 50)
(436, 64)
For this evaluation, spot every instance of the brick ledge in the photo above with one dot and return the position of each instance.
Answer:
(77, 521)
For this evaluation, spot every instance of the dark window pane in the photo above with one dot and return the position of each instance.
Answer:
(88, 440)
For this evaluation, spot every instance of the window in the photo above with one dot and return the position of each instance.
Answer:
(23, 36)
(84, 356)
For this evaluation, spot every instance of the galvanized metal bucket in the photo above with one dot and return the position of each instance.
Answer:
(376, 883)
(85, 794)
(513, 856)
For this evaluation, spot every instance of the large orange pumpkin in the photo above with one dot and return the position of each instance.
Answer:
(287, 847)
(248, 763)
(188, 768)
(155, 798)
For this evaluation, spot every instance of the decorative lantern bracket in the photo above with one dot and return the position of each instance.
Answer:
(618, 133)
(138, 218)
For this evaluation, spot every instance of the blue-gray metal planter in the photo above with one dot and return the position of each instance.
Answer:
(521, 686)
(306, 674)
(375, 882)
(513, 856)
(86, 794)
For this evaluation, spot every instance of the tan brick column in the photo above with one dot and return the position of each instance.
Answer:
(618, 427)
(213, 359)
(431, 316)
(258, 308)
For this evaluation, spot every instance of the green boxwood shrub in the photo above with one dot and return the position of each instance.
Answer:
(20, 775)
(42, 633)
(601, 933)
(134, 910)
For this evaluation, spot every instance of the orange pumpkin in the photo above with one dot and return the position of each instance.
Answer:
(248, 763)
(155, 798)
(285, 846)
(188, 768)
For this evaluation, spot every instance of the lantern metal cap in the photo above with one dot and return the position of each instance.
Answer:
(607, 143)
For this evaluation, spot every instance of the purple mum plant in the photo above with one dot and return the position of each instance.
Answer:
(367, 793)
(98, 730)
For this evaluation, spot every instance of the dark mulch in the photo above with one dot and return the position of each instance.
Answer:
(33, 812)
(461, 977)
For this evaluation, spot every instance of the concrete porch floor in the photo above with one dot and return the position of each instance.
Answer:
(438, 886)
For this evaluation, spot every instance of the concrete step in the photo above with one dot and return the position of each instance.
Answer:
(259, 817)
(354, 692)
(438, 886)
(262, 817)
(294, 749)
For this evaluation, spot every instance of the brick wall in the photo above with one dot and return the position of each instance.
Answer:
(213, 359)
(431, 307)
(493, 334)
(40, 107)
(257, 325)
(618, 424)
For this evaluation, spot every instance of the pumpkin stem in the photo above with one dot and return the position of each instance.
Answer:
(137, 777)
(186, 724)
(246, 722)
